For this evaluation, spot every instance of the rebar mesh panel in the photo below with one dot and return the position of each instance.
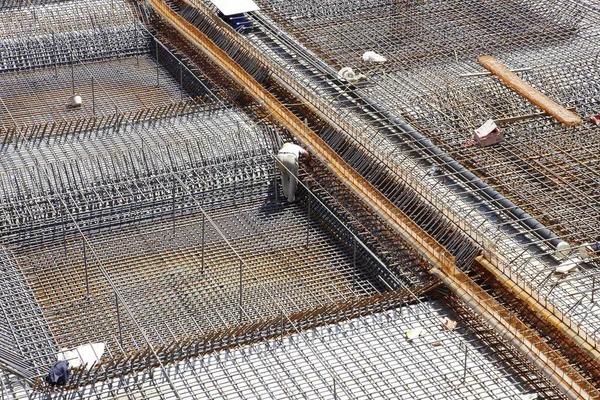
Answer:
(362, 358)
(124, 85)
(21, 319)
(539, 158)
(175, 291)
(59, 33)
(134, 172)
(549, 170)
(406, 32)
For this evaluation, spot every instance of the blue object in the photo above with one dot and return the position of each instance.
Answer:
(236, 21)
(59, 374)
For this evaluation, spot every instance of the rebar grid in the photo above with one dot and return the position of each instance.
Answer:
(30, 340)
(398, 258)
(201, 42)
(411, 32)
(42, 96)
(578, 358)
(58, 33)
(480, 382)
(117, 82)
(538, 159)
(499, 350)
(73, 183)
(369, 355)
(360, 157)
(434, 98)
(116, 178)
(180, 285)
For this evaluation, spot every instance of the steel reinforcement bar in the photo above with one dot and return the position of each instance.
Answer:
(557, 369)
(527, 340)
(491, 253)
(244, 334)
(512, 281)
(424, 243)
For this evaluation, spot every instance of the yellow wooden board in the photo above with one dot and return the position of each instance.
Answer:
(539, 99)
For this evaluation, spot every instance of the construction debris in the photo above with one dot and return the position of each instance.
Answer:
(348, 74)
(488, 134)
(529, 396)
(567, 266)
(373, 57)
(449, 324)
(75, 101)
(228, 7)
(534, 96)
(414, 333)
(588, 251)
(86, 354)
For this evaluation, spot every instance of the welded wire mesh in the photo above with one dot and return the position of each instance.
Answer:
(432, 81)
(134, 195)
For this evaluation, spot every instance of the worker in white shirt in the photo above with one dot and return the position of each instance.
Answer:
(287, 162)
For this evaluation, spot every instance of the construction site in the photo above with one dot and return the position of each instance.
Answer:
(444, 240)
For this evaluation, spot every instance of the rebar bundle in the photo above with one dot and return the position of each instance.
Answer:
(121, 180)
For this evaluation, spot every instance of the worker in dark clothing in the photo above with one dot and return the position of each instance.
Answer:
(59, 374)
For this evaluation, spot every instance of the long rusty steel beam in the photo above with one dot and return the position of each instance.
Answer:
(504, 322)
(523, 338)
(542, 307)
(411, 232)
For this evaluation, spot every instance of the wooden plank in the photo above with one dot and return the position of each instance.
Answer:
(524, 89)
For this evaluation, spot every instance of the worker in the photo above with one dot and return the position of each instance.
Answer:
(59, 374)
(287, 162)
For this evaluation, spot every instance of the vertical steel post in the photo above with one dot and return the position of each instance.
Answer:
(308, 222)
(282, 327)
(87, 279)
(64, 235)
(173, 211)
(334, 389)
(55, 53)
(465, 369)
(137, 55)
(354, 251)
(157, 65)
(241, 310)
(72, 74)
(119, 321)
(180, 81)
(202, 257)
(93, 98)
